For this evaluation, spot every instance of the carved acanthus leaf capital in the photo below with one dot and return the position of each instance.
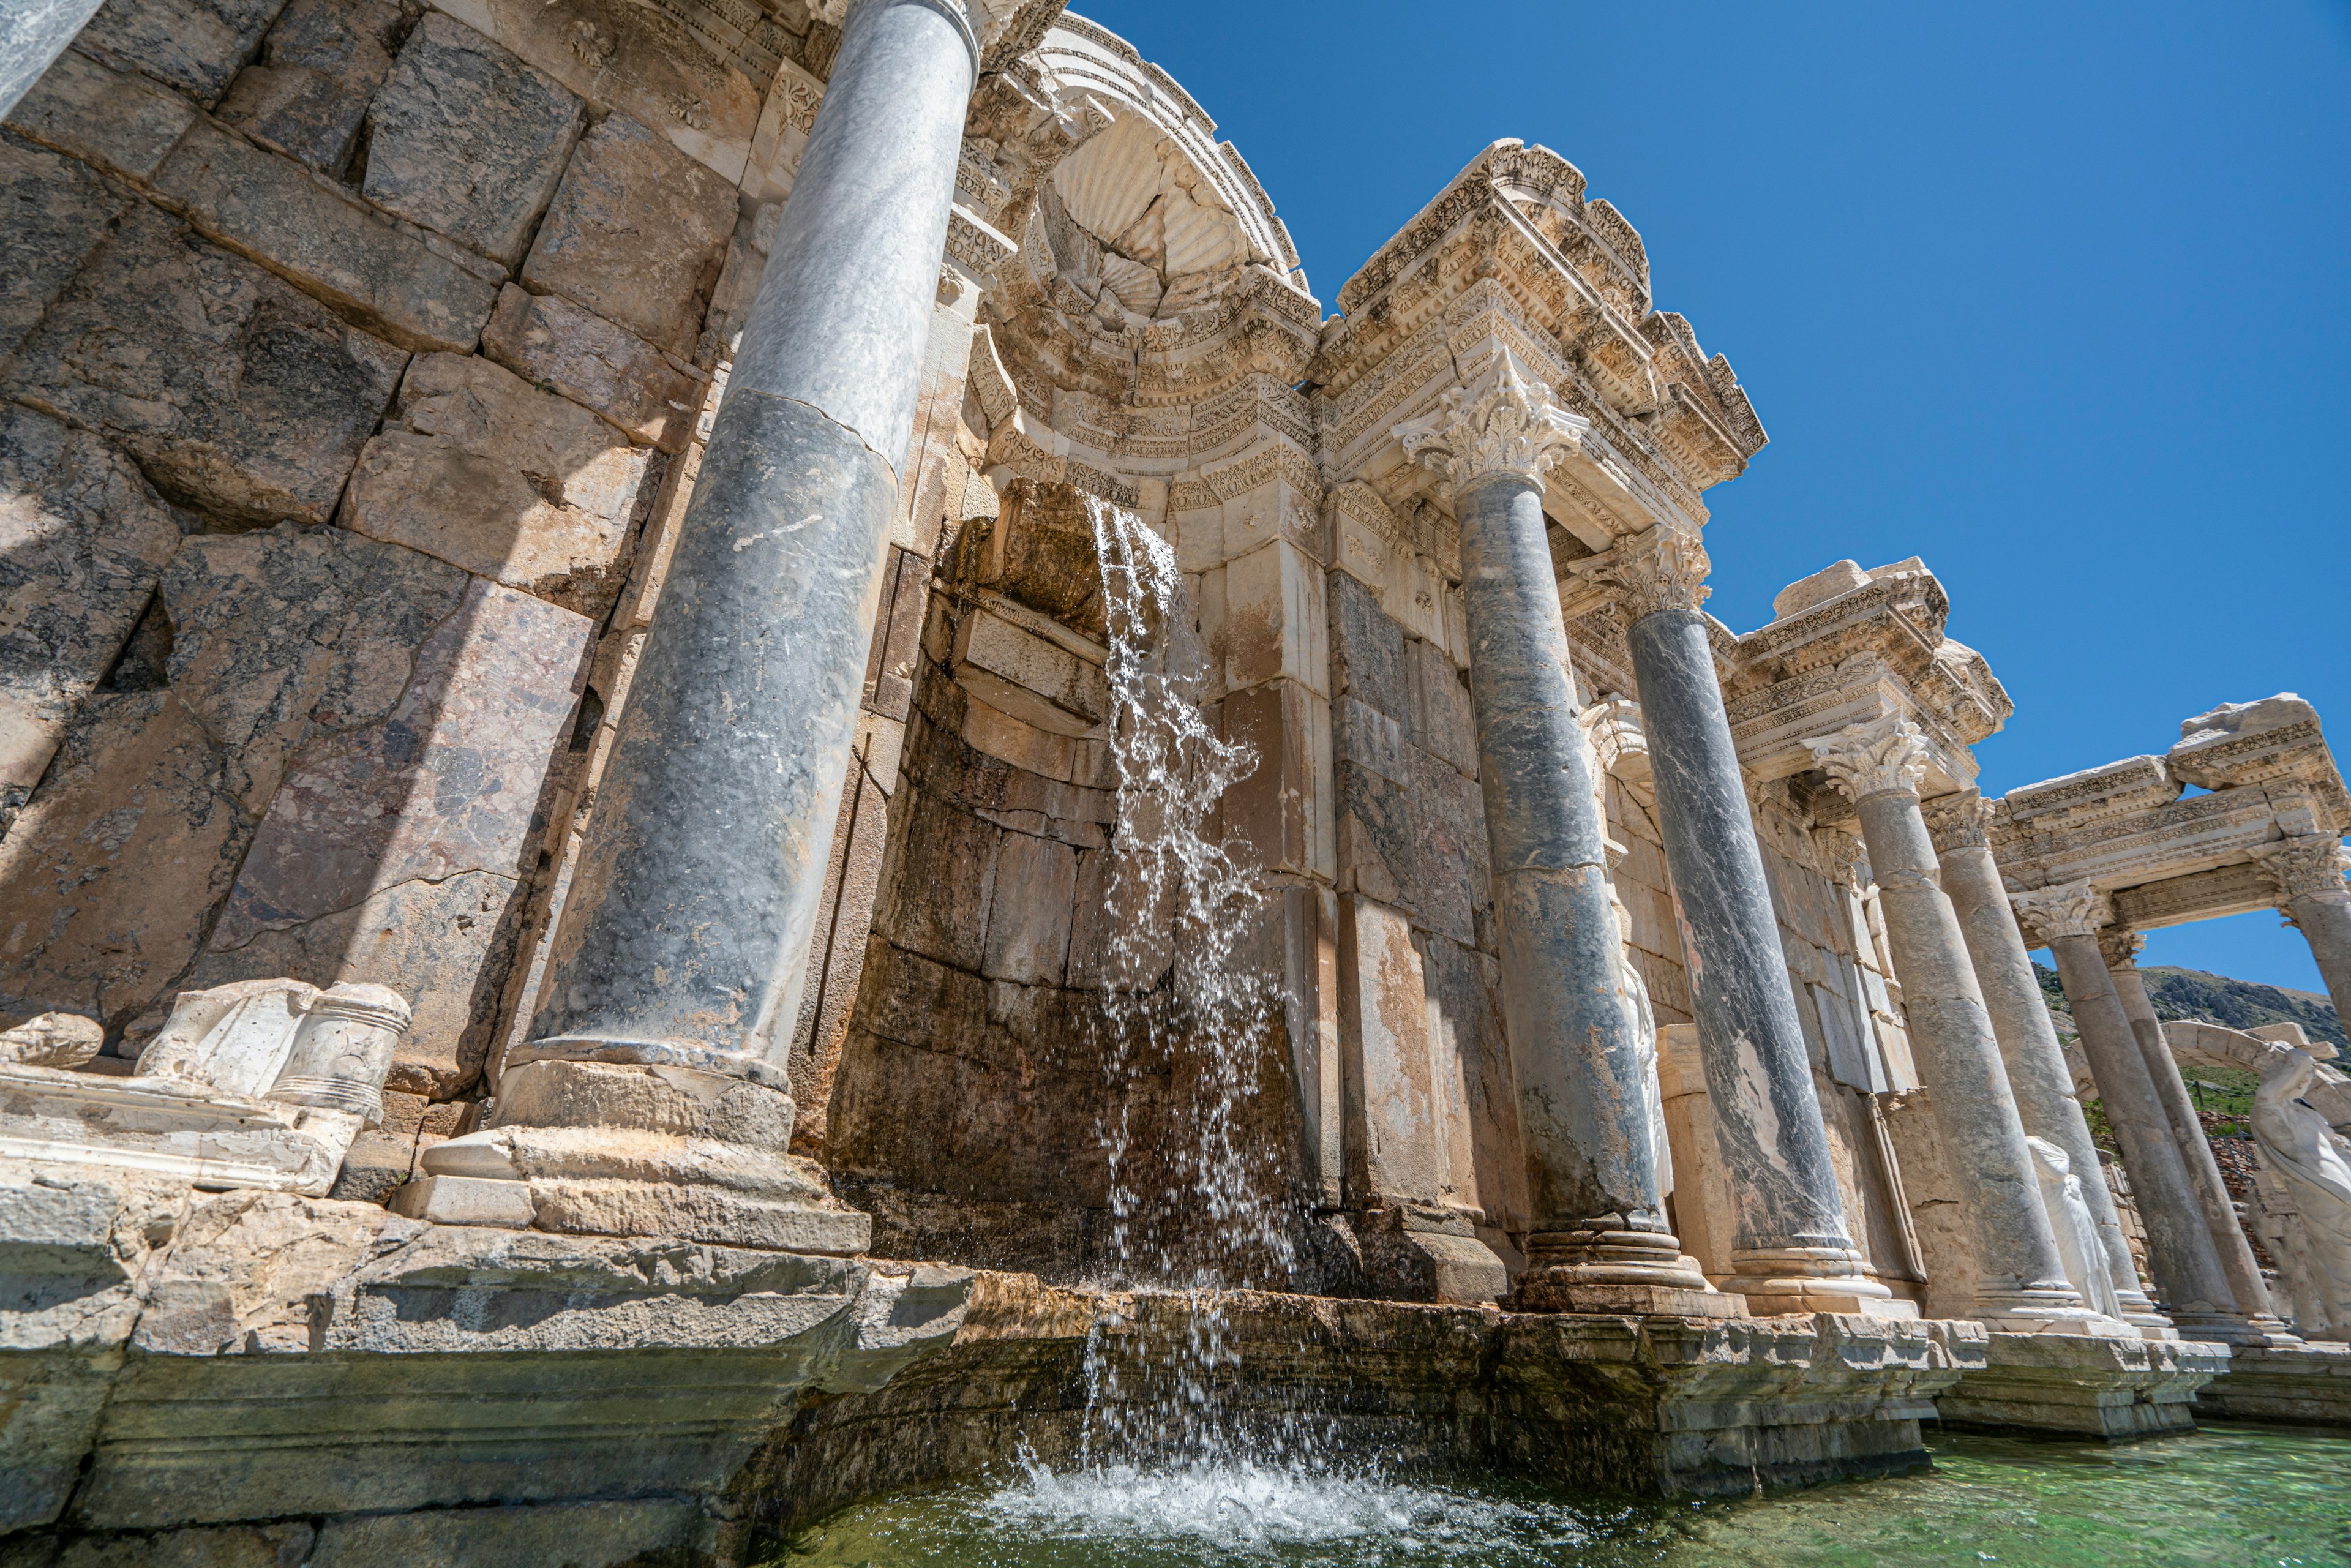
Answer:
(2120, 947)
(2069, 909)
(1956, 821)
(1663, 568)
(2307, 867)
(1881, 756)
(1508, 425)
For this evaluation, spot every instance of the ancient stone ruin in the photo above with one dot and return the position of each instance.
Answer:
(730, 739)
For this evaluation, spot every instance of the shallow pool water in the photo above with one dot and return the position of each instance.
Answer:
(2236, 1496)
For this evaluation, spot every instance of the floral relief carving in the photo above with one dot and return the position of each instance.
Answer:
(1886, 756)
(1511, 426)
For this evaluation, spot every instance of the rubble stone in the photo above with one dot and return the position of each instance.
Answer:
(468, 139)
(509, 482)
(114, 119)
(238, 395)
(637, 234)
(195, 45)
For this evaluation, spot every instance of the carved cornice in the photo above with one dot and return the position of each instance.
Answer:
(2074, 909)
(1956, 821)
(2310, 867)
(1661, 569)
(1886, 757)
(1508, 426)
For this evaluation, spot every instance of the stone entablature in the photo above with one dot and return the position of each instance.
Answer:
(2129, 829)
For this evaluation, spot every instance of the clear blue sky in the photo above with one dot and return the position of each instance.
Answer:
(2056, 295)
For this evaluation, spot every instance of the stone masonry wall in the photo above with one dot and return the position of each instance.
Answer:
(352, 357)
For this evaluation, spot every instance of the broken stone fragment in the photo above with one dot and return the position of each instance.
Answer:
(320, 66)
(52, 1040)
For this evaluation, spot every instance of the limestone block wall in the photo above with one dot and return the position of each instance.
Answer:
(352, 357)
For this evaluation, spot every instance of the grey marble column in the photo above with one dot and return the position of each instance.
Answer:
(2036, 1062)
(1790, 1251)
(33, 34)
(2019, 1278)
(1598, 1239)
(2307, 873)
(2120, 947)
(684, 939)
(2196, 1289)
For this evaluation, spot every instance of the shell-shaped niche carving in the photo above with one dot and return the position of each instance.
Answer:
(1137, 195)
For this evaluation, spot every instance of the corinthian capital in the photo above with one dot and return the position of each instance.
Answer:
(1956, 821)
(2311, 866)
(1881, 756)
(1508, 425)
(1664, 568)
(2069, 909)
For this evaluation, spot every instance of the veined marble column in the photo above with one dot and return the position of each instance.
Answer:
(2196, 1293)
(2119, 947)
(2309, 874)
(2021, 1283)
(1598, 1239)
(2037, 1074)
(33, 34)
(1790, 1251)
(651, 1097)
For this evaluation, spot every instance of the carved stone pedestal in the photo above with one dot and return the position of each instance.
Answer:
(2113, 1386)
(600, 1149)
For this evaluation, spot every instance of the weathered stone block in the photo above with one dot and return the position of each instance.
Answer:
(512, 484)
(397, 853)
(1366, 650)
(58, 212)
(114, 871)
(374, 1164)
(580, 1535)
(308, 231)
(1443, 722)
(1277, 625)
(195, 45)
(119, 122)
(1029, 919)
(238, 395)
(1393, 1151)
(558, 347)
(1449, 881)
(937, 898)
(1282, 809)
(637, 233)
(217, 1546)
(82, 541)
(320, 66)
(468, 139)
(639, 60)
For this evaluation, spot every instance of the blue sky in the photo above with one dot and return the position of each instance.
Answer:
(2056, 295)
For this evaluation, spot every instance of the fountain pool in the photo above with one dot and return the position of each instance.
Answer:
(2226, 1495)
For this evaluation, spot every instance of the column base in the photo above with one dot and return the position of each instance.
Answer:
(611, 1150)
(1617, 1271)
(1786, 1281)
(2235, 1329)
(1407, 1255)
(2116, 1386)
(2045, 1311)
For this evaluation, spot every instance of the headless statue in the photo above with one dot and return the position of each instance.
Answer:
(2296, 1143)
(2079, 1247)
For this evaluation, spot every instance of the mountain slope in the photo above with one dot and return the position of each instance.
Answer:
(2238, 1003)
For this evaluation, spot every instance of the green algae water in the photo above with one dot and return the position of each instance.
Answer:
(2227, 1495)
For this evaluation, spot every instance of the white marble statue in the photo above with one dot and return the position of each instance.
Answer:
(2296, 1143)
(2079, 1246)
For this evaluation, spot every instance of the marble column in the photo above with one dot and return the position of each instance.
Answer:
(1598, 1240)
(33, 34)
(2019, 1278)
(2119, 947)
(1790, 1251)
(2186, 1267)
(674, 975)
(2307, 873)
(2037, 1074)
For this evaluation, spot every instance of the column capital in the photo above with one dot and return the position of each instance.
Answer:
(2120, 947)
(1956, 821)
(2310, 866)
(2069, 909)
(1508, 424)
(1662, 567)
(1875, 757)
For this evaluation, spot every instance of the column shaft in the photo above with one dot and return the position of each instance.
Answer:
(2019, 1273)
(1592, 1179)
(2324, 920)
(2179, 1245)
(684, 939)
(2220, 1210)
(1791, 1246)
(2037, 1074)
(33, 34)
